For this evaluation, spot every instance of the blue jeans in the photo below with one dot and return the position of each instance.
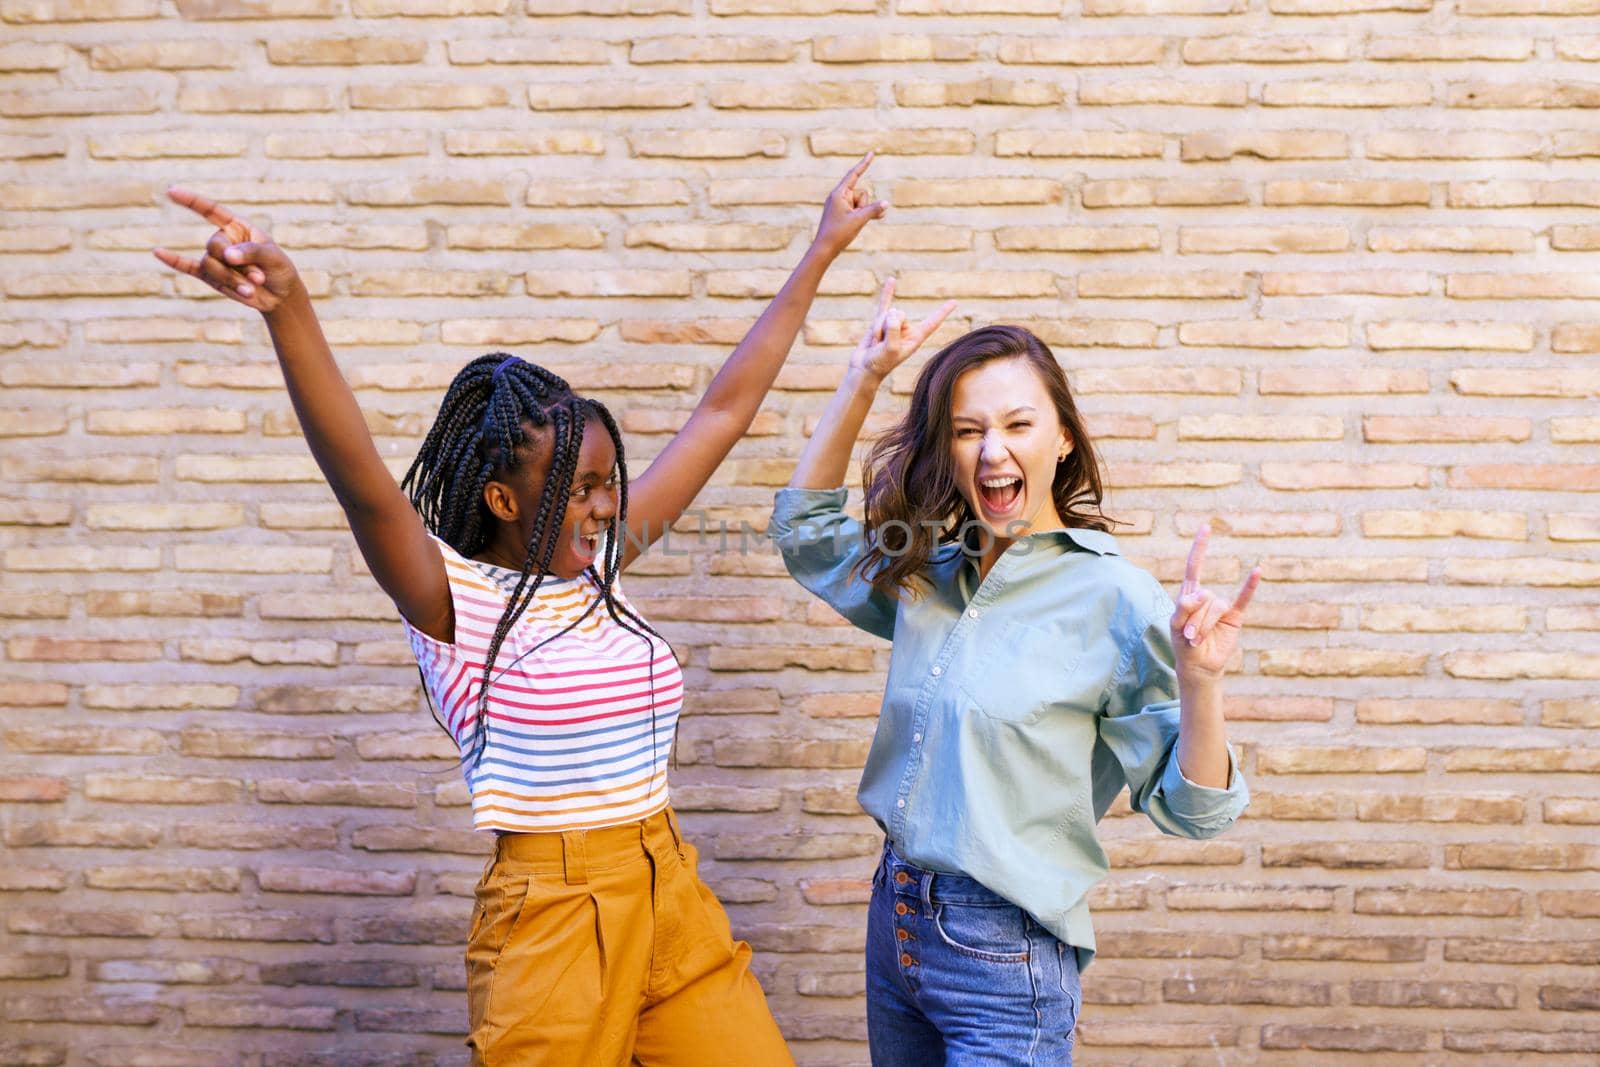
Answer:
(961, 977)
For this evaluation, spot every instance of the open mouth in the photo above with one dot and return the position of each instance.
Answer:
(589, 545)
(1000, 494)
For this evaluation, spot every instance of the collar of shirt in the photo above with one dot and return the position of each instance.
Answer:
(1101, 544)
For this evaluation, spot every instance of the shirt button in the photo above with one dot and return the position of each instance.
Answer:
(937, 670)
(973, 613)
(900, 803)
(916, 737)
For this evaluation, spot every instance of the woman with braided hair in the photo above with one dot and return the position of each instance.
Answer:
(593, 939)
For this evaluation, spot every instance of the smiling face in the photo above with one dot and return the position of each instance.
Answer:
(590, 505)
(1005, 445)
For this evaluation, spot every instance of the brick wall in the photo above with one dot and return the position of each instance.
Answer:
(1316, 267)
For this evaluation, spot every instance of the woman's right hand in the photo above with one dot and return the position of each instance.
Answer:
(240, 261)
(890, 340)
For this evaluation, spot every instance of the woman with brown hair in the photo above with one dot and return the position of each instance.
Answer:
(1035, 672)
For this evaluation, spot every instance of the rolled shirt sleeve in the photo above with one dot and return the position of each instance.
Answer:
(1140, 726)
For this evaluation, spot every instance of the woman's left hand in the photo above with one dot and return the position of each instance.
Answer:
(848, 209)
(1206, 628)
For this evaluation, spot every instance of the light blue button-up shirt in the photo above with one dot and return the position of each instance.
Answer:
(1017, 707)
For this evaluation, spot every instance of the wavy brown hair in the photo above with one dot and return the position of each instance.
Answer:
(913, 502)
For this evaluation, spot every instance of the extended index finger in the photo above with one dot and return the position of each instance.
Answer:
(205, 207)
(1197, 556)
(849, 180)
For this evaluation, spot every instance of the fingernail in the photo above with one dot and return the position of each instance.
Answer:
(1188, 631)
(245, 290)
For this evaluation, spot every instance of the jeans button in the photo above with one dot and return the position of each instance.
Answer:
(903, 935)
(900, 907)
(901, 877)
(906, 960)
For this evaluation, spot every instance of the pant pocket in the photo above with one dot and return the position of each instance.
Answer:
(995, 933)
(550, 971)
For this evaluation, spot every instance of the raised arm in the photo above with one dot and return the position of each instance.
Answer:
(888, 342)
(724, 414)
(242, 263)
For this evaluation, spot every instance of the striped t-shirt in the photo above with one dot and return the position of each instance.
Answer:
(571, 743)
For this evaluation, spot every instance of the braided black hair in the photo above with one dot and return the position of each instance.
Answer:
(485, 415)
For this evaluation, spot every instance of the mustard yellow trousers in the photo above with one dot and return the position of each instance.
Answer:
(604, 947)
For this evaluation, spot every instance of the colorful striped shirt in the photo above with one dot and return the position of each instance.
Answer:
(579, 725)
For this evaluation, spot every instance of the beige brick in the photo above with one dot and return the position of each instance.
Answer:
(1575, 238)
(536, 236)
(166, 55)
(1495, 193)
(978, 7)
(686, 48)
(1530, 382)
(1503, 526)
(1539, 94)
(694, 237)
(1398, 429)
(708, 144)
(1552, 476)
(914, 284)
(607, 193)
(1511, 665)
(1264, 333)
(900, 142)
(550, 51)
(362, 144)
(1437, 711)
(1269, 239)
(893, 48)
(1194, 285)
(31, 145)
(1088, 144)
(481, 332)
(1216, 381)
(267, 99)
(345, 51)
(1448, 239)
(1522, 286)
(1573, 527)
(523, 143)
(1264, 144)
(1347, 193)
(40, 11)
(178, 144)
(1097, 8)
(1009, 92)
(1135, 93)
(607, 283)
(1475, 144)
(802, 97)
(428, 8)
(1078, 238)
(1451, 47)
(1332, 283)
(1260, 428)
(152, 516)
(255, 9)
(961, 192)
(1477, 618)
(1097, 50)
(1259, 49)
(427, 96)
(1491, 336)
